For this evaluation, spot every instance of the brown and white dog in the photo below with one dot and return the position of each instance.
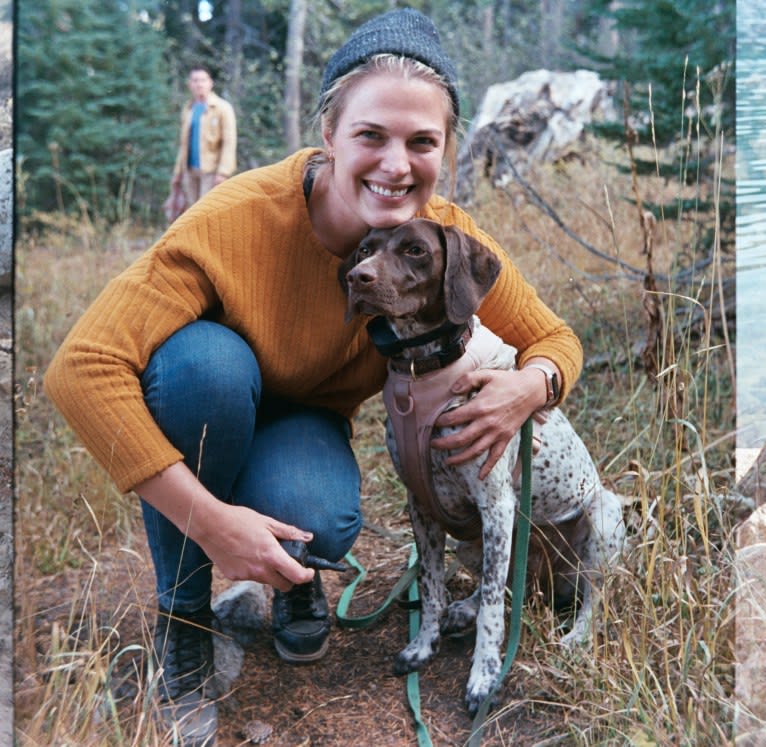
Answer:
(425, 282)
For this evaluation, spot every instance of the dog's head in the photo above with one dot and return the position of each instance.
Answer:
(420, 270)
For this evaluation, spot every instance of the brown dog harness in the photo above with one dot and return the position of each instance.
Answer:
(414, 403)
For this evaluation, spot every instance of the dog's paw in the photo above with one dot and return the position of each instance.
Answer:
(483, 677)
(459, 618)
(417, 653)
(474, 698)
(473, 702)
(579, 635)
(575, 639)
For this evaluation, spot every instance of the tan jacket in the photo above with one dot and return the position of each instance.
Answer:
(218, 138)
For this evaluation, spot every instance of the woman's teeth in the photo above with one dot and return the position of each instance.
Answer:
(385, 192)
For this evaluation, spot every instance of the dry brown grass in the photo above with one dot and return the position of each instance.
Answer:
(660, 670)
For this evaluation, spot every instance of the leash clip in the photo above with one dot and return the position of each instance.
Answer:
(299, 552)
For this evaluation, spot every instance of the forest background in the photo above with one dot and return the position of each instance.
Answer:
(99, 88)
(98, 109)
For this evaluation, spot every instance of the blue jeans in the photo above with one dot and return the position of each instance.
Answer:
(291, 462)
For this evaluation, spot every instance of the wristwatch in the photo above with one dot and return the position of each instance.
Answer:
(551, 383)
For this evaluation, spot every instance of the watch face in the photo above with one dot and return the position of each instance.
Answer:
(551, 382)
(555, 385)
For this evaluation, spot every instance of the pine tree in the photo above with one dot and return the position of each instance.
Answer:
(675, 64)
(96, 121)
(674, 47)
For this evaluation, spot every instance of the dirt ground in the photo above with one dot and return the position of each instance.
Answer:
(351, 697)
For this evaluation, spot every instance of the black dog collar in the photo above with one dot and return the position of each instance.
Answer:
(454, 338)
(388, 344)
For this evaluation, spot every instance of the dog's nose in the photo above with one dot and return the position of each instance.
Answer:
(361, 276)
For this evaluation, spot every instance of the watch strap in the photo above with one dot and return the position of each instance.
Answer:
(552, 388)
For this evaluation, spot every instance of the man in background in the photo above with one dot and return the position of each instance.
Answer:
(207, 153)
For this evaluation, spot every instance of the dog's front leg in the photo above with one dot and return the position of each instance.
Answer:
(497, 515)
(460, 616)
(429, 539)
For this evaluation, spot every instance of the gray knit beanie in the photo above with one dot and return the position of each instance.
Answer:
(404, 32)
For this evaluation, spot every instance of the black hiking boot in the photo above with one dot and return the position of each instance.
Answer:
(300, 620)
(183, 647)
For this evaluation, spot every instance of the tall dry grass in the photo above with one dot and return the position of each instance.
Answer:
(660, 670)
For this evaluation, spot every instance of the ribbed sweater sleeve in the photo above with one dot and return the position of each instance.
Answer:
(244, 256)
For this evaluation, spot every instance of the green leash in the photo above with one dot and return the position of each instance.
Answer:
(413, 681)
(409, 579)
(518, 582)
(409, 582)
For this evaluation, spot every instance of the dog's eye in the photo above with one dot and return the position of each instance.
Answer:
(363, 251)
(415, 251)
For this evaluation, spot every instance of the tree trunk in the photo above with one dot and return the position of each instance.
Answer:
(293, 64)
(488, 25)
(551, 19)
(233, 41)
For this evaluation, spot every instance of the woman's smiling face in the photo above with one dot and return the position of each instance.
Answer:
(388, 147)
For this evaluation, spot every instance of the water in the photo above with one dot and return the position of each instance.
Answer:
(751, 224)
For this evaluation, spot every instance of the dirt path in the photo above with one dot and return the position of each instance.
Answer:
(351, 697)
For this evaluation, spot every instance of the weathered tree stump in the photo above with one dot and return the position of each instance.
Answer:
(540, 116)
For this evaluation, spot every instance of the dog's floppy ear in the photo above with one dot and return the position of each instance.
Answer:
(471, 271)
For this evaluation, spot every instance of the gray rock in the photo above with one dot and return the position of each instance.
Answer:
(242, 619)
(229, 657)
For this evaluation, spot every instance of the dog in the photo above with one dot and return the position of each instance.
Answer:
(423, 283)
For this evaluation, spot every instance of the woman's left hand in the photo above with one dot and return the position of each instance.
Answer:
(503, 402)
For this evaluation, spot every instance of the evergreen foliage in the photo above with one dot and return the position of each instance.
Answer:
(101, 84)
(674, 46)
(675, 68)
(96, 128)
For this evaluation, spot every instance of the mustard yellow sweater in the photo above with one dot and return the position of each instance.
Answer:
(247, 257)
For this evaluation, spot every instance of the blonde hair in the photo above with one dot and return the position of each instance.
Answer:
(332, 102)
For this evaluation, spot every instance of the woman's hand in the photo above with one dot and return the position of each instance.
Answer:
(244, 546)
(242, 543)
(503, 402)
